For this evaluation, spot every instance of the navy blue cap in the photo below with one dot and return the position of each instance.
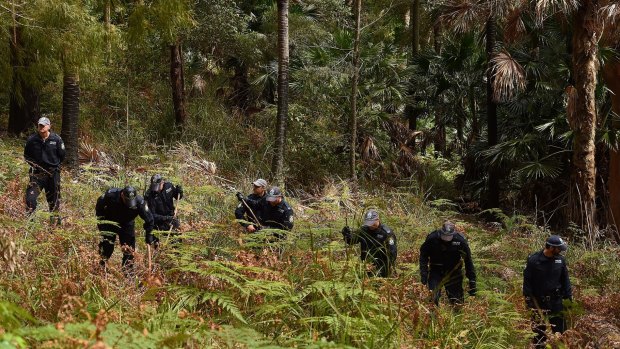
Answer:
(556, 241)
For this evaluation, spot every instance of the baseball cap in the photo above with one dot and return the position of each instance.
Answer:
(447, 231)
(260, 183)
(43, 121)
(556, 241)
(156, 181)
(273, 194)
(130, 194)
(370, 218)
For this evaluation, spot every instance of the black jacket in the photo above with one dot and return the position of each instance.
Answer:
(241, 212)
(110, 207)
(546, 276)
(161, 203)
(273, 217)
(446, 257)
(47, 154)
(379, 244)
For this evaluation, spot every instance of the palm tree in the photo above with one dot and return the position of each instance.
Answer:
(277, 167)
(462, 15)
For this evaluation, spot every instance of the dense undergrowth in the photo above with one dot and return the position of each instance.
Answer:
(221, 288)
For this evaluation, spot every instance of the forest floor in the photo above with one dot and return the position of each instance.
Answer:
(222, 288)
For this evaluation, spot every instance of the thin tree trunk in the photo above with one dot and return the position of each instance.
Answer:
(582, 116)
(277, 167)
(612, 79)
(108, 27)
(24, 99)
(437, 36)
(492, 131)
(71, 117)
(357, 12)
(412, 110)
(177, 83)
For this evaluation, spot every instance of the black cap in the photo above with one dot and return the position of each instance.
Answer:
(156, 181)
(556, 241)
(129, 194)
(273, 194)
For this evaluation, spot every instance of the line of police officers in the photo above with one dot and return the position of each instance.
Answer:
(443, 254)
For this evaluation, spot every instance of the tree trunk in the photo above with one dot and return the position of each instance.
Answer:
(177, 82)
(108, 28)
(277, 167)
(357, 12)
(492, 131)
(24, 99)
(412, 110)
(437, 36)
(70, 118)
(582, 117)
(611, 74)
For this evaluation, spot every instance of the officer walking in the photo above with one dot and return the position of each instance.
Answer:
(244, 212)
(44, 152)
(160, 200)
(121, 207)
(442, 256)
(378, 243)
(545, 285)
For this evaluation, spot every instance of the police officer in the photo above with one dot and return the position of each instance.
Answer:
(44, 152)
(378, 243)
(160, 199)
(545, 285)
(244, 211)
(273, 212)
(122, 206)
(442, 256)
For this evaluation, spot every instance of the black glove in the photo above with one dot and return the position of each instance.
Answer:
(472, 288)
(424, 280)
(179, 191)
(150, 239)
(346, 230)
(240, 196)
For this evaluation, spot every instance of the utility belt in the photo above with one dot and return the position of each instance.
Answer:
(554, 295)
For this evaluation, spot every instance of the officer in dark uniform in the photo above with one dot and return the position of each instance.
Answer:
(442, 256)
(273, 212)
(244, 212)
(44, 152)
(378, 243)
(160, 199)
(122, 206)
(545, 285)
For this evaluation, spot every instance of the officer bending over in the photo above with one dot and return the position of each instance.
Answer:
(160, 199)
(121, 207)
(378, 243)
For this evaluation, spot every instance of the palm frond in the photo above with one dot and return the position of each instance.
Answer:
(463, 14)
(545, 8)
(509, 77)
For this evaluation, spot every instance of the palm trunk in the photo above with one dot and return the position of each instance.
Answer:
(412, 111)
(612, 80)
(492, 131)
(177, 83)
(357, 11)
(24, 99)
(277, 167)
(71, 117)
(582, 117)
